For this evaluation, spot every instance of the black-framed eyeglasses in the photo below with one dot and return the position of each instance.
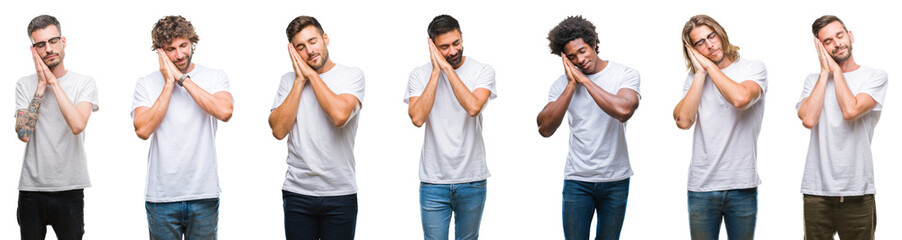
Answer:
(42, 44)
(709, 38)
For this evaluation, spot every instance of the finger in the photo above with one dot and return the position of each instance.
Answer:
(37, 60)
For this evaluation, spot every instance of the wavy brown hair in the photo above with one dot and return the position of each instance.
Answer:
(172, 27)
(729, 50)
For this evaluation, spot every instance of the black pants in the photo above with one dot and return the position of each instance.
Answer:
(312, 218)
(65, 211)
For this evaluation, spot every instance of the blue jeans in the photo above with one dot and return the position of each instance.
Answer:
(438, 201)
(64, 210)
(194, 219)
(738, 208)
(312, 218)
(583, 199)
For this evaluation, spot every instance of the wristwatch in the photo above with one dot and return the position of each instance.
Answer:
(182, 79)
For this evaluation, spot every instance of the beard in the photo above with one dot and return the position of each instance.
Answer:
(842, 58)
(53, 63)
(324, 56)
(187, 63)
(454, 60)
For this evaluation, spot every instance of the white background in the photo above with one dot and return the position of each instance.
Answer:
(111, 42)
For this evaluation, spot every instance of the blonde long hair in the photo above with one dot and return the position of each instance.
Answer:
(730, 51)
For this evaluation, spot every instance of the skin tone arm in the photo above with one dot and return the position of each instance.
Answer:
(283, 117)
(420, 106)
(740, 95)
(686, 110)
(620, 106)
(552, 115)
(473, 101)
(148, 119)
(218, 105)
(339, 107)
(852, 106)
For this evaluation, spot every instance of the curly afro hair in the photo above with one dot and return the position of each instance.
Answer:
(571, 28)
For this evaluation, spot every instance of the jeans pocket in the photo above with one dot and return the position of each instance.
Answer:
(477, 184)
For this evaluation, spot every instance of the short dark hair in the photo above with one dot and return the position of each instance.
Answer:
(823, 21)
(301, 22)
(442, 24)
(41, 22)
(571, 28)
(172, 27)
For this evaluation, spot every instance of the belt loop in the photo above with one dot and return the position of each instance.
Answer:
(841, 198)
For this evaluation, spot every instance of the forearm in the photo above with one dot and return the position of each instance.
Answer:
(27, 119)
(283, 117)
(735, 93)
(551, 117)
(616, 106)
(148, 119)
(337, 107)
(421, 106)
(465, 96)
(687, 109)
(219, 107)
(76, 120)
(850, 105)
(810, 108)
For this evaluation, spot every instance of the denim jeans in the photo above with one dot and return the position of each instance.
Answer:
(582, 200)
(312, 218)
(852, 217)
(737, 208)
(194, 219)
(64, 210)
(438, 201)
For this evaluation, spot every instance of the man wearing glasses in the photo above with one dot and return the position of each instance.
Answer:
(179, 106)
(724, 95)
(841, 105)
(54, 171)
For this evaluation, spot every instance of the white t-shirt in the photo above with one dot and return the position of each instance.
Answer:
(725, 144)
(181, 163)
(839, 152)
(598, 150)
(321, 155)
(54, 157)
(453, 149)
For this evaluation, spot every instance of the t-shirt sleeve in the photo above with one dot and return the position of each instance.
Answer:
(807, 87)
(285, 85)
(631, 81)
(142, 98)
(758, 74)
(688, 83)
(876, 88)
(222, 83)
(88, 93)
(557, 88)
(487, 80)
(415, 86)
(355, 84)
(22, 98)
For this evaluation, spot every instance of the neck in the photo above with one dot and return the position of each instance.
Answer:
(189, 69)
(849, 65)
(326, 67)
(59, 71)
(599, 65)
(462, 60)
(726, 62)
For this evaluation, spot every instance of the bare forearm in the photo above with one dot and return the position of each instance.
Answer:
(337, 107)
(850, 105)
(421, 106)
(551, 117)
(283, 117)
(27, 119)
(811, 106)
(76, 120)
(687, 109)
(616, 106)
(219, 107)
(147, 120)
(735, 93)
(465, 97)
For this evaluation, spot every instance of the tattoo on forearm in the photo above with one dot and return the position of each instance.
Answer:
(27, 119)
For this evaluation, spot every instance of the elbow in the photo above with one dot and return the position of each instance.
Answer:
(279, 135)
(742, 103)
(849, 115)
(417, 123)
(143, 135)
(340, 122)
(546, 133)
(684, 124)
(78, 130)
(623, 114)
(225, 115)
(808, 124)
(474, 111)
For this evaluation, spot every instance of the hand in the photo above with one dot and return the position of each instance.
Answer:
(574, 74)
(302, 71)
(698, 62)
(45, 76)
(438, 61)
(827, 63)
(167, 69)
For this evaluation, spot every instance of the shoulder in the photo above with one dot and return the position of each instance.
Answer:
(420, 71)
(477, 65)
(620, 68)
(751, 64)
(27, 79)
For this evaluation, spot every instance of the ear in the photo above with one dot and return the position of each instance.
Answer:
(64, 41)
(326, 39)
(851, 37)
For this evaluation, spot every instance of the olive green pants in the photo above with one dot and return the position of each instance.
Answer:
(853, 217)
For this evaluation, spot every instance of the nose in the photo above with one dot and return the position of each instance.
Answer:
(709, 44)
(309, 51)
